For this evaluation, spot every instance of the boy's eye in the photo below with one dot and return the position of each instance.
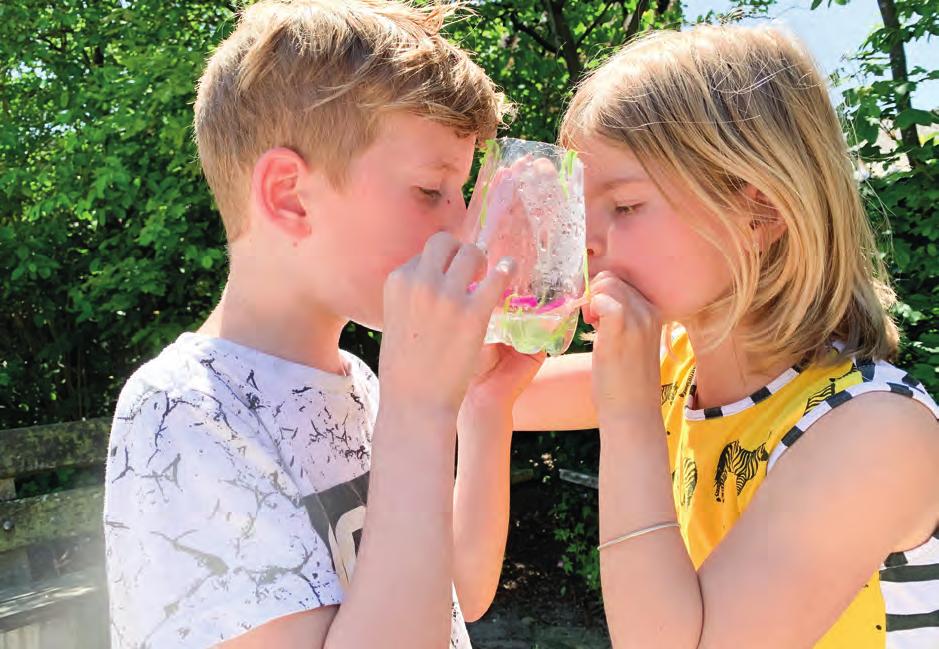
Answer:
(431, 194)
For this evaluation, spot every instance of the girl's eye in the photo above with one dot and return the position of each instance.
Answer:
(431, 194)
(626, 210)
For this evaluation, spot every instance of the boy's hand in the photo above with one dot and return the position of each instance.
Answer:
(434, 327)
(626, 370)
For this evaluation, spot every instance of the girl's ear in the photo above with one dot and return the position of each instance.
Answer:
(766, 224)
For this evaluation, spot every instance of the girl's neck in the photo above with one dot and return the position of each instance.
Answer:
(727, 374)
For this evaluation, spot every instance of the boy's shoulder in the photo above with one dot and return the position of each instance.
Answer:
(169, 371)
(221, 402)
(210, 516)
(197, 368)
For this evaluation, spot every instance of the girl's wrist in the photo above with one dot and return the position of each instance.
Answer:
(492, 415)
(644, 421)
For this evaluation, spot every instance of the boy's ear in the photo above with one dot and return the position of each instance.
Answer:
(765, 222)
(275, 188)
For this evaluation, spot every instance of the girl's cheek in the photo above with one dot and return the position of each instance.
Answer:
(619, 243)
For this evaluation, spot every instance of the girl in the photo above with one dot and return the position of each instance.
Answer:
(768, 479)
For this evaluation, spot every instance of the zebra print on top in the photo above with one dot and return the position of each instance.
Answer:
(720, 457)
(909, 581)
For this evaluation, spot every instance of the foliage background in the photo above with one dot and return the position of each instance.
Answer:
(110, 245)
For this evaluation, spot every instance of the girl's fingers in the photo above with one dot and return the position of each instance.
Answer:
(615, 300)
(610, 284)
(604, 306)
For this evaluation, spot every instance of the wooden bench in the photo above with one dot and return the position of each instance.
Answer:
(45, 601)
(65, 609)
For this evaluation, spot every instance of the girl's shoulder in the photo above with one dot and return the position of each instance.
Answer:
(836, 385)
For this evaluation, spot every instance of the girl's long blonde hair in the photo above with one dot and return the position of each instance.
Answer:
(717, 108)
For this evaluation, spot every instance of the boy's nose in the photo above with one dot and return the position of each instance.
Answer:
(458, 221)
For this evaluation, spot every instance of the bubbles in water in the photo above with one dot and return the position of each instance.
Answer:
(537, 217)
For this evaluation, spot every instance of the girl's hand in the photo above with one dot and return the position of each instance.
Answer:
(626, 371)
(502, 374)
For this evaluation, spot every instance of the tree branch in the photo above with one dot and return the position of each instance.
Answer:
(53, 46)
(512, 14)
(595, 22)
(541, 40)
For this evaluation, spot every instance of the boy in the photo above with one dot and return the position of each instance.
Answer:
(336, 137)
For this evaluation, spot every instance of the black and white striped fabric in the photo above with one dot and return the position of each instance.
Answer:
(909, 581)
(762, 394)
(878, 376)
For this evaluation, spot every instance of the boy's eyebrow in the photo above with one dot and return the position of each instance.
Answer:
(445, 165)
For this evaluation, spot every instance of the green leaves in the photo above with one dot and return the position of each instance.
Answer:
(909, 199)
(915, 116)
(904, 185)
(101, 196)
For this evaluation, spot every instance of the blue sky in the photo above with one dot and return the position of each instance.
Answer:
(832, 33)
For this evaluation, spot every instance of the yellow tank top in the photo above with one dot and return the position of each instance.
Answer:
(720, 456)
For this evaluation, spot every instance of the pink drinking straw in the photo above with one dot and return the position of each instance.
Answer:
(562, 302)
(530, 301)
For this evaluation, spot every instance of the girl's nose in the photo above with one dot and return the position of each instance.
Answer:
(595, 247)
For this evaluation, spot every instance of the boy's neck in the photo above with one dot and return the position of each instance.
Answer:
(727, 373)
(266, 318)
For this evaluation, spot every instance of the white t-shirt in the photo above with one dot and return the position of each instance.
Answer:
(235, 492)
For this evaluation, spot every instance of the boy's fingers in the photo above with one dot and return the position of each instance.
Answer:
(490, 291)
(438, 253)
(395, 277)
(467, 266)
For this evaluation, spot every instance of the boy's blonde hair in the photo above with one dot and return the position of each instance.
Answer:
(316, 75)
(717, 108)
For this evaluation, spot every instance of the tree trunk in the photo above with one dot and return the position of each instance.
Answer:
(888, 12)
(632, 28)
(565, 40)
